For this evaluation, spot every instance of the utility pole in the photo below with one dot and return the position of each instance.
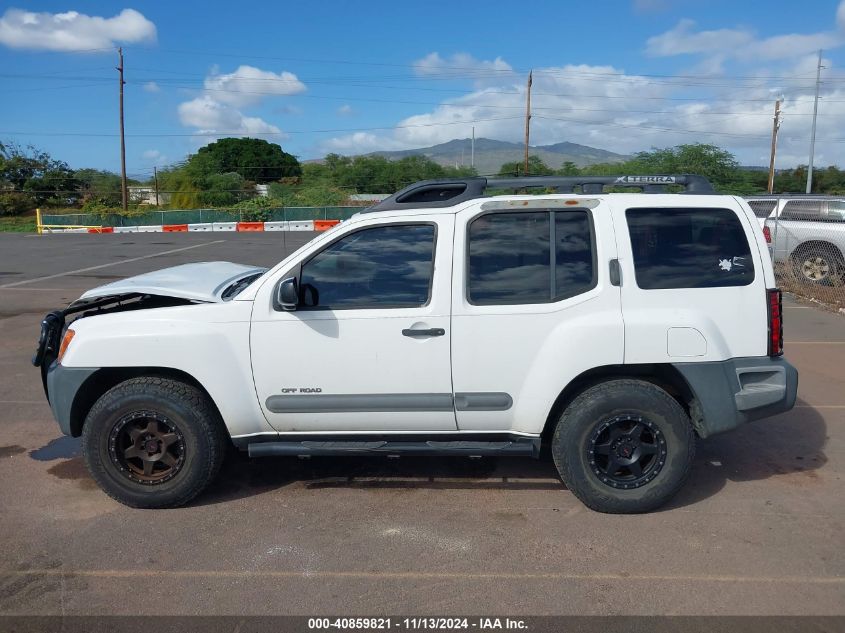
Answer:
(472, 150)
(813, 133)
(527, 118)
(775, 128)
(122, 140)
(155, 177)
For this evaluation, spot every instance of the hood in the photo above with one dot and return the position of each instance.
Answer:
(205, 281)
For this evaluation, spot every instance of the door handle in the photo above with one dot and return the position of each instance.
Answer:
(435, 331)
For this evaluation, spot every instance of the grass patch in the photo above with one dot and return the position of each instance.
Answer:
(17, 224)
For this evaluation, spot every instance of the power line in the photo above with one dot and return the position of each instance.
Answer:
(485, 69)
(243, 133)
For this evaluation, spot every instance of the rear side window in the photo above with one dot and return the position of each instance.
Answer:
(762, 208)
(530, 257)
(689, 248)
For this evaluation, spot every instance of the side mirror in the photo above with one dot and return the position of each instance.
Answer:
(287, 294)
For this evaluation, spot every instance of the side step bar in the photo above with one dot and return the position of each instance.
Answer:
(516, 447)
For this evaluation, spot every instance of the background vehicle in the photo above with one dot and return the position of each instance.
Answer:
(613, 327)
(807, 233)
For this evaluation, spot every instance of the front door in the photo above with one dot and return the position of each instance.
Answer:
(368, 347)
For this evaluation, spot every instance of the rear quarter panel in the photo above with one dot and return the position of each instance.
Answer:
(720, 323)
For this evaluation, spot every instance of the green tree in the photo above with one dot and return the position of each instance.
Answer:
(462, 171)
(99, 187)
(254, 159)
(568, 169)
(714, 163)
(222, 190)
(536, 167)
(31, 177)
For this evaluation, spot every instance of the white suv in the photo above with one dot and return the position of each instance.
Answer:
(615, 328)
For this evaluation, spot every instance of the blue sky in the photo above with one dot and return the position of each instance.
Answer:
(353, 77)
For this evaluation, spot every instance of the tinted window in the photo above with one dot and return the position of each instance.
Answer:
(389, 266)
(689, 248)
(530, 257)
(802, 210)
(762, 208)
(574, 270)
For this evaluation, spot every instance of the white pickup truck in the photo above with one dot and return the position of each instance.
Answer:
(805, 232)
(614, 328)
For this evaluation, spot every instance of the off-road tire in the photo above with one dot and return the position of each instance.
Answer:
(573, 445)
(203, 439)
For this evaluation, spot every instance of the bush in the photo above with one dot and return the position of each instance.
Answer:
(15, 203)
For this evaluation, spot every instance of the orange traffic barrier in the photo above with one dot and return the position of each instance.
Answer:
(250, 226)
(324, 225)
(102, 229)
(175, 228)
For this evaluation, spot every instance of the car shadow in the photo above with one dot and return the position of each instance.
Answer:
(242, 476)
(788, 446)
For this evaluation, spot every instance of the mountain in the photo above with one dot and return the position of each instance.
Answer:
(490, 154)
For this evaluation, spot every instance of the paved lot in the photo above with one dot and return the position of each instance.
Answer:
(757, 530)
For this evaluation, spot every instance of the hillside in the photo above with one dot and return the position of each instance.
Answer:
(491, 154)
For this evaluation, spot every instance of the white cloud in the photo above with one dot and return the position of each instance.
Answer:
(72, 31)
(210, 116)
(219, 109)
(151, 86)
(154, 157)
(249, 85)
(742, 44)
(602, 106)
(605, 107)
(462, 66)
(345, 110)
(361, 143)
(681, 40)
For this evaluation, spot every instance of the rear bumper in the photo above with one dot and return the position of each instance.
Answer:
(735, 391)
(63, 383)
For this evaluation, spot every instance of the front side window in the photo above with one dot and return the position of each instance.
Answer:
(529, 257)
(689, 248)
(381, 267)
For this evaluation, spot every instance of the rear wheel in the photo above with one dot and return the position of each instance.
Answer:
(624, 446)
(817, 264)
(153, 442)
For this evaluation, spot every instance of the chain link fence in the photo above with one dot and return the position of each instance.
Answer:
(806, 236)
(200, 216)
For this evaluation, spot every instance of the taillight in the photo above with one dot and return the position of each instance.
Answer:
(774, 301)
(767, 233)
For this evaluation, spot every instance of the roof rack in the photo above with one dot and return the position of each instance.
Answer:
(791, 195)
(447, 192)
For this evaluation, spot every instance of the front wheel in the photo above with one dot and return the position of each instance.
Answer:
(153, 442)
(624, 446)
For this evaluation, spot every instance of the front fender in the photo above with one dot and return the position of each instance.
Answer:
(209, 342)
